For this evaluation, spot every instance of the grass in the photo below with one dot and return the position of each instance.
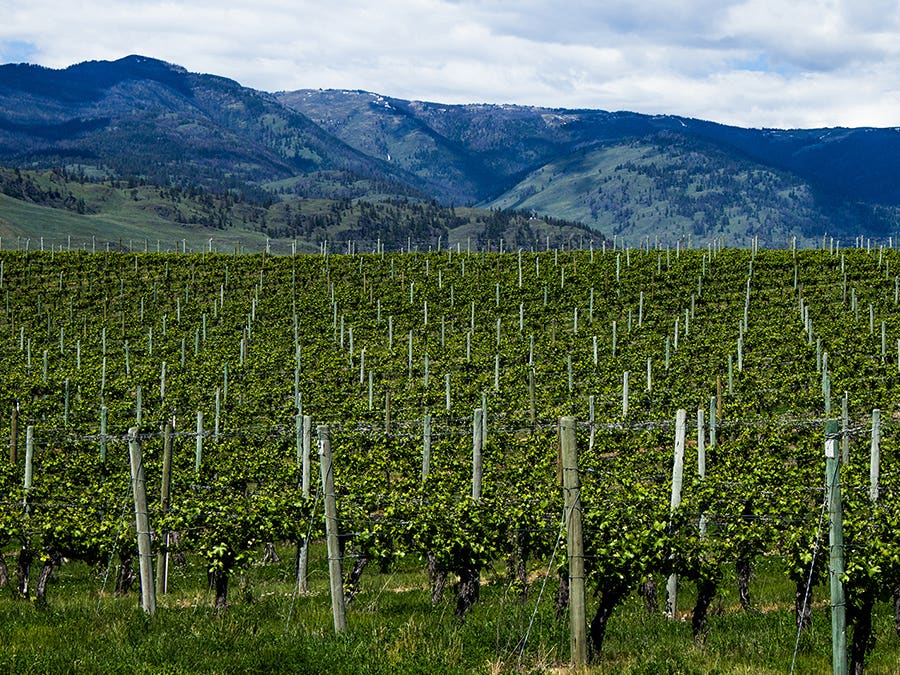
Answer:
(127, 225)
(392, 627)
(147, 217)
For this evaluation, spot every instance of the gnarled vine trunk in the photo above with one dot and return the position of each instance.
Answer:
(608, 602)
(4, 572)
(54, 560)
(706, 592)
(270, 555)
(353, 580)
(23, 569)
(562, 593)
(517, 566)
(650, 595)
(468, 588)
(803, 603)
(744, 572)
(437, 576)
(176, 554)
(897, 610)
(860, 617)
(218, 581)
(126, 576)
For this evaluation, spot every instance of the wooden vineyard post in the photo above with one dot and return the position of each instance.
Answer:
(14, 435)
(718, 398)
(531, 405)
(836, 545)
(306, 443)
(426, 446)
(484, 420)
(162, 561)
(845, 428)
(730, 375)
(141, 522)
(331, 531)
(675, 502)
(574, 541)
(875, 456)
(104, 414)
(701, 460)
(298, 435)
(198, 450)
(477, 441)
(303, 545)
(591, 423)
(29, 464)
(218, 413)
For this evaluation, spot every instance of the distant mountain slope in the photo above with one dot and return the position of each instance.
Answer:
(476, 151)
(672, 187)
(51, 205)
(681, 176)
(139, 116)
(154, 123)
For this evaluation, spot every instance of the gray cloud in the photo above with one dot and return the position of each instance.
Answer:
(785, 63)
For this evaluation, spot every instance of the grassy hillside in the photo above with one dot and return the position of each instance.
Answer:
(671, 188)
(59, 205)
(633, 175)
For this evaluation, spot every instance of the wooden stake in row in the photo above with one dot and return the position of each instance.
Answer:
(675, 502)
(142, 522)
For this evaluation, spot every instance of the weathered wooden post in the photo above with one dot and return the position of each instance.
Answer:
(29, 463)
(331, 531)
(675, 502)
(845, 429)
(162, 561)
(426, 446)
(836, 545)
(104, 415)
(303, 545)
(14, 434)
(142, 522)
(198, 450)
(574, 541)
(477, 442)
(875, 456)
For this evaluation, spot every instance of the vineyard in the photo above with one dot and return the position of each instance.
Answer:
(436, 383)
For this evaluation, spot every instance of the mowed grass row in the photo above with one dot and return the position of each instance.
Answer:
(393, 627)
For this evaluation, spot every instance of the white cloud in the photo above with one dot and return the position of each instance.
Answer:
(750, 62)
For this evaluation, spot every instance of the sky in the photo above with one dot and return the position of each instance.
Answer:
(751, 63)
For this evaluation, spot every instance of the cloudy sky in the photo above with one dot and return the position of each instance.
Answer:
(772, 63)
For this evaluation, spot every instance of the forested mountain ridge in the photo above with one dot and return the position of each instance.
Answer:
(143, 117)
(622, 173)
(632, 174)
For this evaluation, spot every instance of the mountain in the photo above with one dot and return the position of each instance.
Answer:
(631, 174)
(641, 177)
(143, 117)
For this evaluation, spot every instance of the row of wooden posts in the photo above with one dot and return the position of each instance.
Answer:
(575, 546)
(571, 497)
(149, 590)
